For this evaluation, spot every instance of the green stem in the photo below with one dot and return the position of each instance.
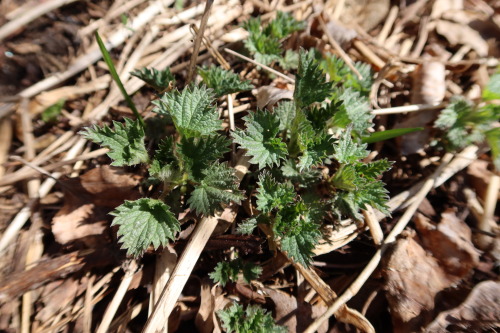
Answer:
(116, 78)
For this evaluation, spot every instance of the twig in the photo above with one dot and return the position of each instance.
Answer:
(374, 225)
(408, 108)
(490, 203)
(39, 10)
(23, 216)
(267, 68)
(372, 265)
(94, 54)
(186, 263)
(117, 298)
(339, 49)
(197, 42)
(389, 21)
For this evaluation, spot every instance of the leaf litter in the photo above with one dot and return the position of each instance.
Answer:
(434, 277)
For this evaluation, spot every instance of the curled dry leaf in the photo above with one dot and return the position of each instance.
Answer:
(450, 243)
(413, 278)
(367, 13)
(478, 313)
(87, 201)
(428, 87)
(294, 315)
(460, 34)
(269, 95)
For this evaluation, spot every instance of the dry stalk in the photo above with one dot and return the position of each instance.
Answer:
(374, 225)
(487, 220)
(389, 22)
(31, 14)
(185, 265)
(408, 108)
(372, 265)
(267, 68)
(130, 269)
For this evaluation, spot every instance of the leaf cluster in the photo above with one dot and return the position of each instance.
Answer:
(253, 319)
(226, 271)
(159, 80)
(222, 81)
(189, 163)
(464, 123)
(264, 43)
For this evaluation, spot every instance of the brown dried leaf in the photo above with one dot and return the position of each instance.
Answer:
(204, 320)
(450, 243)
(57, 295)
(479, 176)
(269, 95)
(460, 34)
(88, 200)
(480, 312)
(296, 317)
(413, 278)
(367, 13)
(428, 87)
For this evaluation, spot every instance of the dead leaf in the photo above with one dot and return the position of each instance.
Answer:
(428, 87)
(460, 34)
(413, 278)
(88, 200)
(479, 176)
(480, 312)
(204, 320)
(367, 13)
(57, 295)
(269, 95)
(296, 317)
(450, 243)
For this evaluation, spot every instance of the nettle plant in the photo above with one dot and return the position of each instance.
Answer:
(307, 157)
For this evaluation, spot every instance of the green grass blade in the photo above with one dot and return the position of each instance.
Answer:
(116, 78)
(389, 134)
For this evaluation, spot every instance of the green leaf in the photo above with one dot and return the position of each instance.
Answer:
(165, 165)
(271, 194)
(126, 142)
(192, 110)
(320, 116)
(252, 320)
(51, 113)
(290, 60)
(219, 186)
(492, 89)
(345, 178)
(144, 222)
(229, 271)
(116, 78)
(283, 25)
(493, 139)
(159, 80)
(316, 151)
(310, 85)
(347, 151)
(304, 178)
(260, 139)
(355, 111)
(389, 134)
(197, 153)
(223, 82)
(345, 78)
(247, 226)
(297, 231)
(265, 48)
(286, 113)
(373, 169)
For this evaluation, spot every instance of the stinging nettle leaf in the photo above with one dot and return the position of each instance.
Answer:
(126, 141)
(165, 165)
(260, 139)
(286, 113)
(222, 81)
(253, 319)
(347, 151)
(192, 110)
(219, 186)
(354, 111)
(197, 153)
(310, 85)
(271, 194)
(159, 80)
(144, 222)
